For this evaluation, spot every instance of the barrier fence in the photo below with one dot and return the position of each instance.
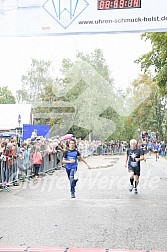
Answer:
(15, 169)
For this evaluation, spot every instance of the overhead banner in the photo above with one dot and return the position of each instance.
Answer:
(65, 17)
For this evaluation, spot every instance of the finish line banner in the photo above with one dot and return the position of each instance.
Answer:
(67, 17)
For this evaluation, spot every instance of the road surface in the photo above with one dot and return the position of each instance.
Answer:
(104, 213)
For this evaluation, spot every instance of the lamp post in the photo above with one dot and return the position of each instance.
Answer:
(19, 119)
(19, 130)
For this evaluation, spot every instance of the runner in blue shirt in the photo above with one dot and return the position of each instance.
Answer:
(149, 147)
(156, 150)
(70, 158)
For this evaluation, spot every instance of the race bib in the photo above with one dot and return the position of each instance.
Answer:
(133, 164)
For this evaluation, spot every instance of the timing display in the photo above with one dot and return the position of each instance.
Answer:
(118, 4)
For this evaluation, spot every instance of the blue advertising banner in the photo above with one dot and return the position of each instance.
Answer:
(38, 129)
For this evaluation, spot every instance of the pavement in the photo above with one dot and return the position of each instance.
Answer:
(104, 216)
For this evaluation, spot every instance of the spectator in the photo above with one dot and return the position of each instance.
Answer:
(37, 161)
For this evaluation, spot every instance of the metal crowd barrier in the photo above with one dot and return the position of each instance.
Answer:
(109, 150)
(14, 170)
(4, 175)
(50, 163)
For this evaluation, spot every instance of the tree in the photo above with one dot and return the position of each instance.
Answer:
(46, 110)
(151, 113)
(90, 78)
(6, 96)
(77, 90)
(156, 59)
(34, 81)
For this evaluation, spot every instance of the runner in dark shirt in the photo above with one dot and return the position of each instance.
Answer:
(133, 157)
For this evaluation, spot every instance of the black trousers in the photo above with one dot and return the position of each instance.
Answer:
(36, 169)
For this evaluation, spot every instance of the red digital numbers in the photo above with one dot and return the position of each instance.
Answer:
(115, 4)
(118, 4)
(136, 3)
(104, 5)
(108, 4)
(101, 5)
(130, 3)
(121, 3)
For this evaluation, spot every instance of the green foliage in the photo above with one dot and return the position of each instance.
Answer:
(157, 58)
(97, 61)
(6, 96)
(151, 113)
(50, 94)
(86, 107)
(90, 68)
(33, 83)
(79, 132)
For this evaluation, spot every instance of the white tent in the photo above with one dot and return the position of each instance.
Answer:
(10, 114)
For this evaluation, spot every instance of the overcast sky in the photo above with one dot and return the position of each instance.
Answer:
(120, 51)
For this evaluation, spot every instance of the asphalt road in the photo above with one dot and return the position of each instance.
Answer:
(104, 213)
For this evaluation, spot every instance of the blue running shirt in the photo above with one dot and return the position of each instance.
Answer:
(71, 154)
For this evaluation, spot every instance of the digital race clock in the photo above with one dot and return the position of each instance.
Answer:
(118, 4)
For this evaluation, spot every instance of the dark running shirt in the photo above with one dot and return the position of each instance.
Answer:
(71, 154)
(132, 154)
(144, 147)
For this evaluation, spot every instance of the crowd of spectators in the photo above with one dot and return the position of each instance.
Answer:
(17, 158)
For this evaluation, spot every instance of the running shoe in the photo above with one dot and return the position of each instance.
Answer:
(135, 191)
(72, 195)
(131, 188)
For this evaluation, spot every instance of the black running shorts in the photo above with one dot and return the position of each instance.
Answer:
(136, 170)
